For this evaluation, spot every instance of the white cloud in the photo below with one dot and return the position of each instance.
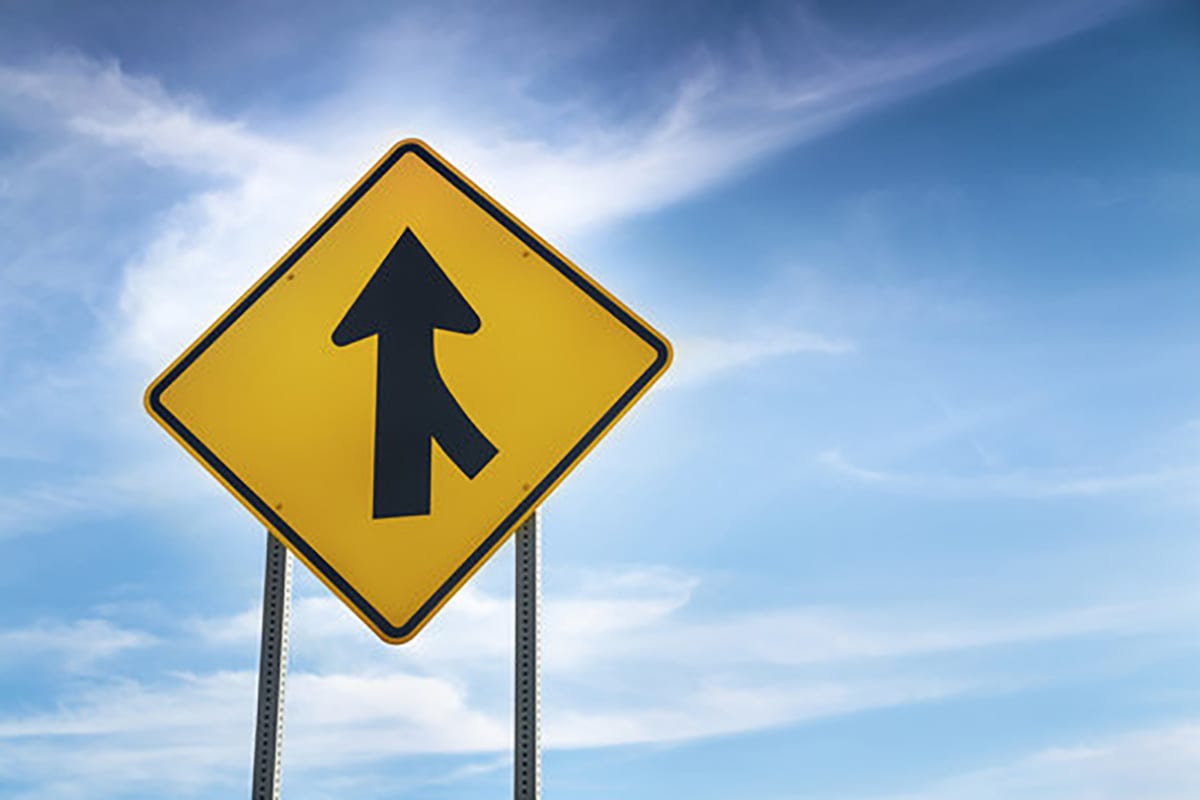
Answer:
(563, 168)
(642, 617)
(97, 99)
(698, 359)
(74, 646)
(720, 708)
(628, 660)
(154, 483)
(1013, 484)
(566, 167)
(1154, 764)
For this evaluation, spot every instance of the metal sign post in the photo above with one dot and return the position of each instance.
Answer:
(527, 716)
(413, 248)
(272, 671)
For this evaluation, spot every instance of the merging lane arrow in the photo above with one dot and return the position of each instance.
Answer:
(407, 298)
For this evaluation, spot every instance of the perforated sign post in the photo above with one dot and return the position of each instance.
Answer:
(397, 394)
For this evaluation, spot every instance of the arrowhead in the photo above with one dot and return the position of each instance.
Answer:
(408, 291)
(403, 302)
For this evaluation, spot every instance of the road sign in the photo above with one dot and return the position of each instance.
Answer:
(405, 385)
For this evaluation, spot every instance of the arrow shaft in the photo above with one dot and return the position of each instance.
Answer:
(413, 406)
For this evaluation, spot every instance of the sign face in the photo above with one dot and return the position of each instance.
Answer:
(405, 385)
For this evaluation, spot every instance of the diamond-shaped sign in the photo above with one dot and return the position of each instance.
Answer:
(405, 386)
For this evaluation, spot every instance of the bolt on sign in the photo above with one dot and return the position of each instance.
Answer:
(401, 390)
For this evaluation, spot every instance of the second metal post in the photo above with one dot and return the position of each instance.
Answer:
(527, 750)
(272, 671)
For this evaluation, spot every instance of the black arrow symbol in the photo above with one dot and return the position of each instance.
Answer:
(404, 301)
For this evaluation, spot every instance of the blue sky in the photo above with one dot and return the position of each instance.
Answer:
(913, 517)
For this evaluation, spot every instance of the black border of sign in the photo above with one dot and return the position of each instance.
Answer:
(406, 630)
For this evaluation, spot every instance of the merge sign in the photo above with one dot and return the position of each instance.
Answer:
(405, 385)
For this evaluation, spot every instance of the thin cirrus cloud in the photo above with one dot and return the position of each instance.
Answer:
(77, 645)
(1160, 763)
(257, 184)
(1011, 484)
(265, 183)
(702, 358)
(116, 487)
(354, 703)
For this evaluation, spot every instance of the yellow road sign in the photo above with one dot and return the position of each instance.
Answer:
(405, 385)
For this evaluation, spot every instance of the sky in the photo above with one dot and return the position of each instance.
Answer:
(913, 515)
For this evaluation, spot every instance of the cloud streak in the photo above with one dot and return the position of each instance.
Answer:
(1151, 764)
(729, 110)
(76, 646)
(702, 358)
(614, 644)
(254, 184)
(1013, 484)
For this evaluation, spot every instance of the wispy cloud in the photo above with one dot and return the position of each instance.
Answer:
(701, 358)
(1152, 764)
(614, 645)
(252, 184)
(98, 100)
(75, 646)
(1012, 484)
(727, 110)
(109, 491)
